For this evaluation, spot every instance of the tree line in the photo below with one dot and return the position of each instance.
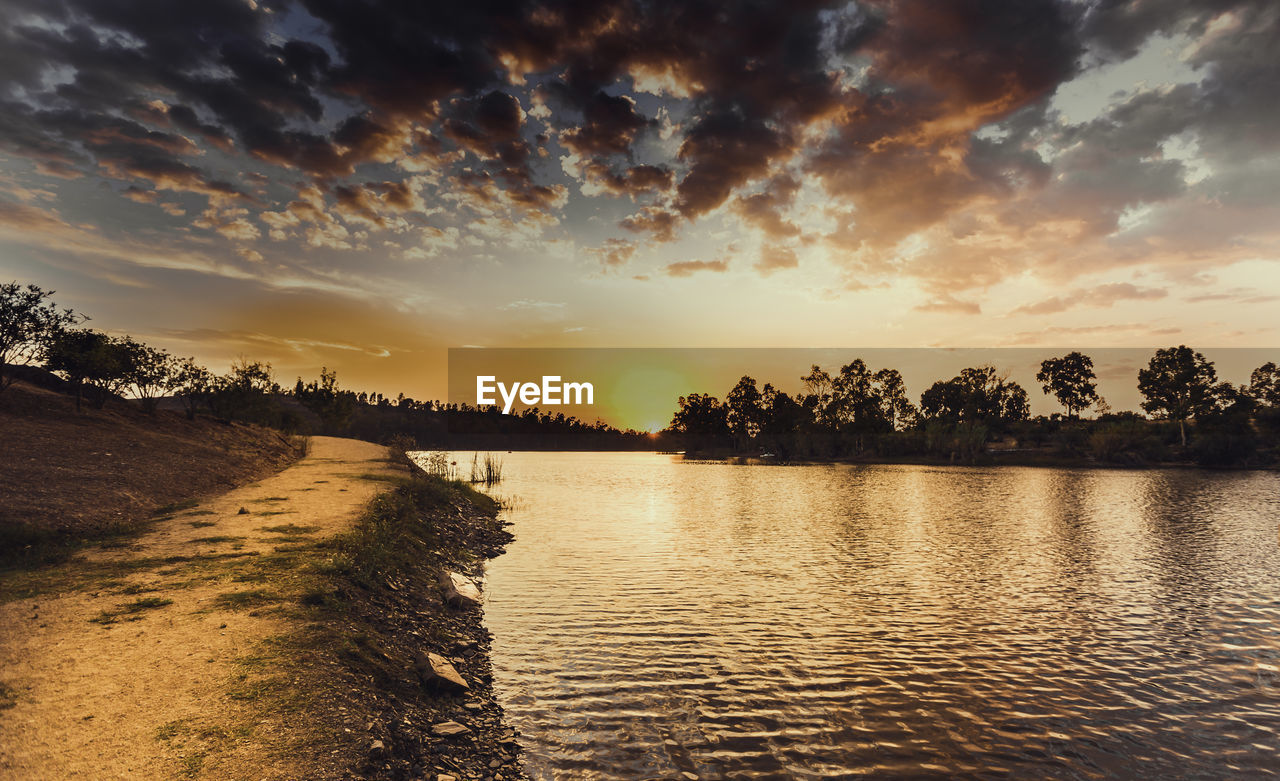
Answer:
(97, 367)
(859, 413)
(852, 413)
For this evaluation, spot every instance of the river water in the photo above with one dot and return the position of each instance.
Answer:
(657, 618)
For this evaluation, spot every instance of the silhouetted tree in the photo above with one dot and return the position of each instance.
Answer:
(246, 393)
(150, 371)
(853, 398)
(895, 406)
(1264, 385)
(743, 413)
(975, 394)
(28, 324)
(89, 361)
(944, 400)
(855, 404)
(818, 395)
(1178, 384)
(782, 419)
(1071, 381)
(701, 421)
(193, 384)
(1225, 433)
(323, 397)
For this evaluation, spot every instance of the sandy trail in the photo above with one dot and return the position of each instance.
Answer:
(115, 700)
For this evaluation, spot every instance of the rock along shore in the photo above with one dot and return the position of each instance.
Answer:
(433, 715)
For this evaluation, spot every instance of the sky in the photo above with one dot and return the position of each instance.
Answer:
(363, 185)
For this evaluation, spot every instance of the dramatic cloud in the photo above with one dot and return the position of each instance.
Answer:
(939, 154)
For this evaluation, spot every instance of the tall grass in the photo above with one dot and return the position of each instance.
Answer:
(437, 464)
(487, 472)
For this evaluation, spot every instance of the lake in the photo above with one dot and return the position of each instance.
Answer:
(658, 618)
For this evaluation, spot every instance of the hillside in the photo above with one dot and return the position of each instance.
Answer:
(89, 474)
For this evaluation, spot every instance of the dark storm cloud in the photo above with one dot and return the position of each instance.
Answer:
(239, 75)
(1117, 28)
(610, 125)
(880, 104)
(764, 209)
(634, 181)
(940, 72)
(725, 151)
(490, 128)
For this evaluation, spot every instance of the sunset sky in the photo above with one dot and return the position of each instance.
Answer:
(364, 185)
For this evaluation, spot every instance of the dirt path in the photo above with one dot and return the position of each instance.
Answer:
(121, 676)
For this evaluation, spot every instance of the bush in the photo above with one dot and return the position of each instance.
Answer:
(1072, 439)
(1227, 446)
(1127, 441)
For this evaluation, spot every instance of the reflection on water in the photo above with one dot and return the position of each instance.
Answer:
(659, 619)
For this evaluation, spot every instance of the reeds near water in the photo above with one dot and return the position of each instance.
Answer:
(486, 472)
(437, 464)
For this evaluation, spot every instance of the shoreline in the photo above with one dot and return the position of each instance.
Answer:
(266, 632)
(402, 613)
(992, 459)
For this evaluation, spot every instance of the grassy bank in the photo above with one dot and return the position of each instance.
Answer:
(259, 631)
(341, 689)
(68, 479)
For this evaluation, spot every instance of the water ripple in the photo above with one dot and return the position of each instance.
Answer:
(661, 619)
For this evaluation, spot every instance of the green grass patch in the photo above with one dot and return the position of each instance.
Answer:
(194, 513)
(266, 499)
(248, 687)
(322, 597)
(220, 538)
(202, 524)
(191, 765)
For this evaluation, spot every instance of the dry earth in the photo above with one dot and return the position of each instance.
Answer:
(134, 674)
(98, 471)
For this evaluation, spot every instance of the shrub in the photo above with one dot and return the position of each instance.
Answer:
(1127, 441)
